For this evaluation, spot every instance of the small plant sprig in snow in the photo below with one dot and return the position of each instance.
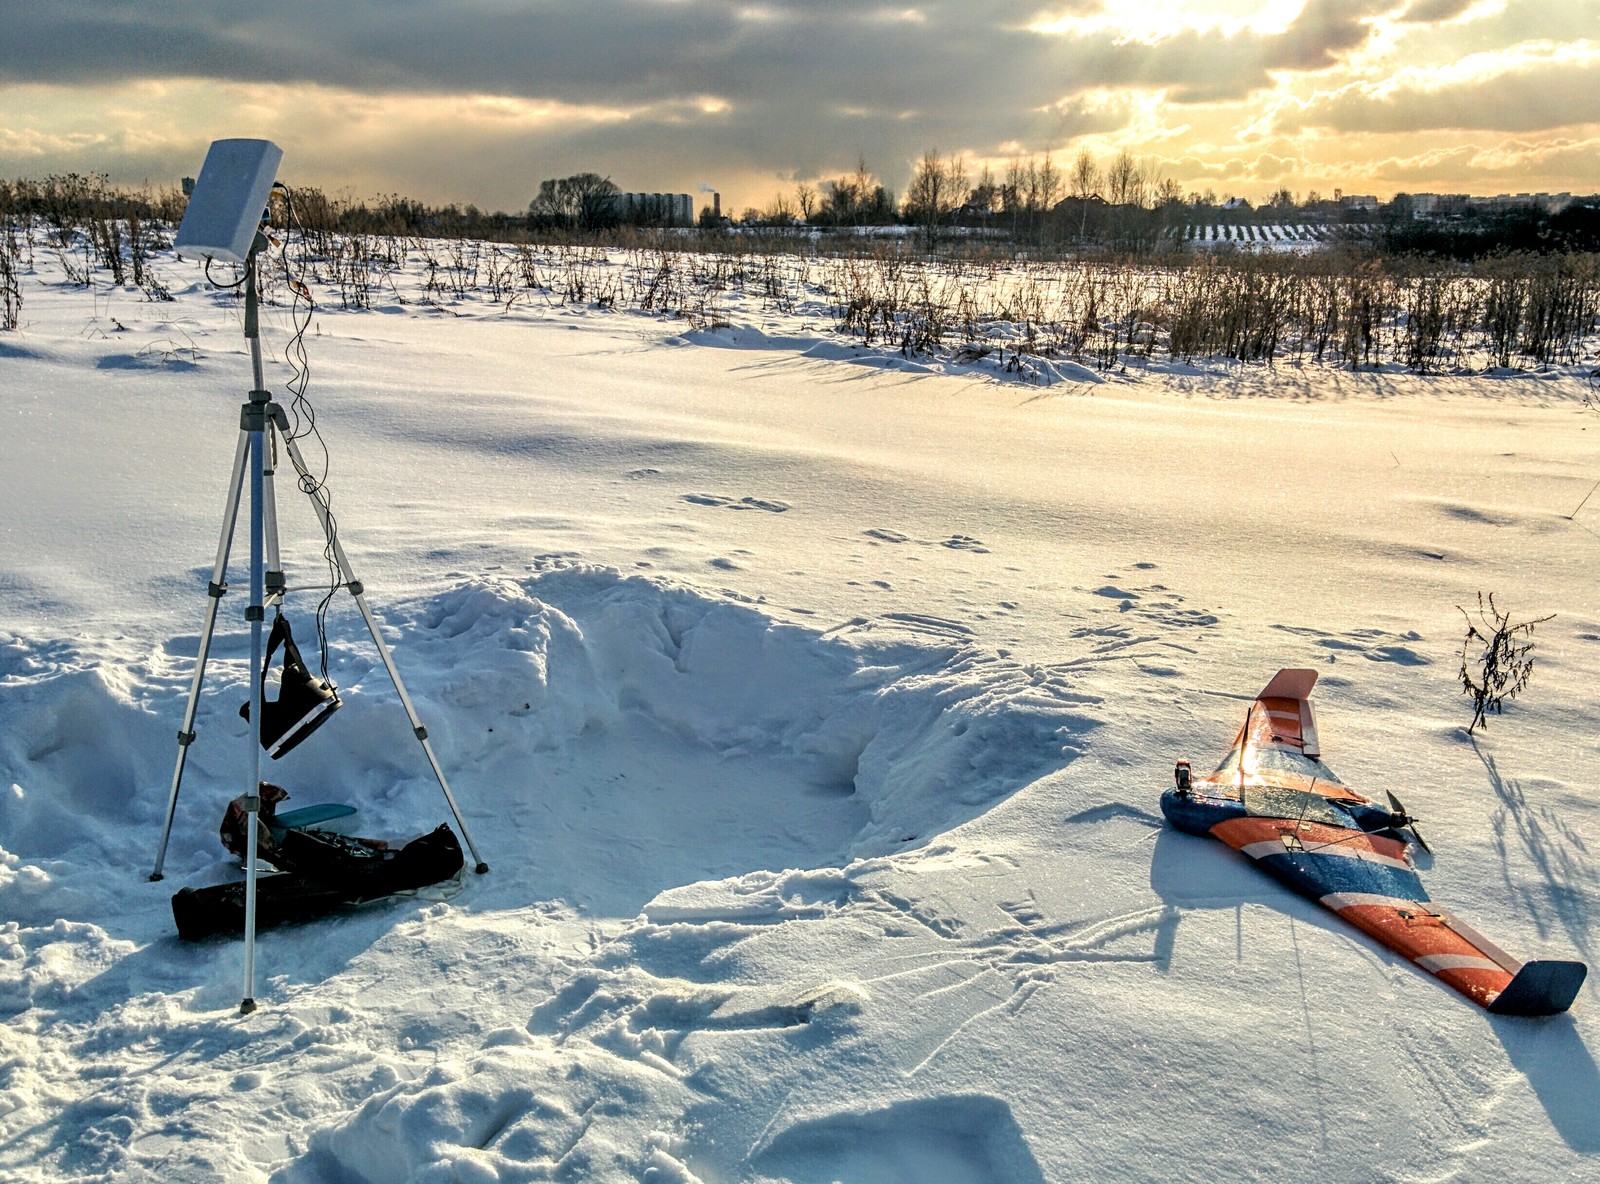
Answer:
(1496, 658)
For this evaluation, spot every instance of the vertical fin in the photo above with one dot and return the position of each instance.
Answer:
(1290, 684)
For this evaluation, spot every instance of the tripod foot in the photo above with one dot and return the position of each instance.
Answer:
(481, 868)
(247, 1006)
(156, 877)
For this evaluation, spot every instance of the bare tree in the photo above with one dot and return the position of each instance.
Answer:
(1049, 182)
(1084, 180)
(1011, 190)
(957, 182)
(985, 195)
(1084, 183)
(856, 199)
(927, 180)
(781, 212)
(1124, 180)
(1030, 187)
(937, 184)
(579, 202)
(926, 190)
(805, 197)
(841, 203)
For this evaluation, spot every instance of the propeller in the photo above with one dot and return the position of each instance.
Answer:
(1400, 820)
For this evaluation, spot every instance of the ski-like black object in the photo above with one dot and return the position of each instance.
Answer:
(321, 873)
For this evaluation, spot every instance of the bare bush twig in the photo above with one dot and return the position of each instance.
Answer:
(1496, 659)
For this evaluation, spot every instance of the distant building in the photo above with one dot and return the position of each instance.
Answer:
(1358, 201)
(652, 209)
(1448, 205)
(1439, 205)
(1512, 201)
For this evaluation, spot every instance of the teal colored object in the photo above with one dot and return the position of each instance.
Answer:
(308, 816)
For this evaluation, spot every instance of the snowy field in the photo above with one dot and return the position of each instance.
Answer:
(811, 707)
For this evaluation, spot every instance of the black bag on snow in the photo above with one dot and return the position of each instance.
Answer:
(323, 872)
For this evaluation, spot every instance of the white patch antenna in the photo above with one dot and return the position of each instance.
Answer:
(229, 200)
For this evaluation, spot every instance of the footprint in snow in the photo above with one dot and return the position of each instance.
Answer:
(1156, 602)
(744, 503)
(1375, 645)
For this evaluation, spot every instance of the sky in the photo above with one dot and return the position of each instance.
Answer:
(477, 101)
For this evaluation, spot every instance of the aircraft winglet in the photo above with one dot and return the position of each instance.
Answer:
(1541, 988)
(1290, 684)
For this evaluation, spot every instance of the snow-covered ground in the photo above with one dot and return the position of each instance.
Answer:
(811, 708)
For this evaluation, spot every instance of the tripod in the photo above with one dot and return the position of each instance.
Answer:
(263, 426)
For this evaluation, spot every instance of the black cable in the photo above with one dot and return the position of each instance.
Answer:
(237, 284)
(305, 415)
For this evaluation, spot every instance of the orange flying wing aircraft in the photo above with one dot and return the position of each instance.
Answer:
(1273, 799)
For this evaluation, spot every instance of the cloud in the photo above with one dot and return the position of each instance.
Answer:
(789, 88)
(1207, 65)
(1325, 31)
(945, 57)
(1564, 165)
(583, 50)
(1535, 96)
(1434, 11)
(480, 99)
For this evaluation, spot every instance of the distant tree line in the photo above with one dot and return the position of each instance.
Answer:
(1125, 205)
(1481, 234)
(1119, 204)
(71, 198)
(1347, 305)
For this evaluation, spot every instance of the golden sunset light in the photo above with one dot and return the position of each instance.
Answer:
(474, 101)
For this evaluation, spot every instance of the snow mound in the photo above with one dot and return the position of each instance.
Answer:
(903, 736)
(617, 745)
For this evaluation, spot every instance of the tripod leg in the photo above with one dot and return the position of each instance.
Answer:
(357, 591)
(215, 590)
(411, 712)
(256, 419)
(274, 575)
(259, 433)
